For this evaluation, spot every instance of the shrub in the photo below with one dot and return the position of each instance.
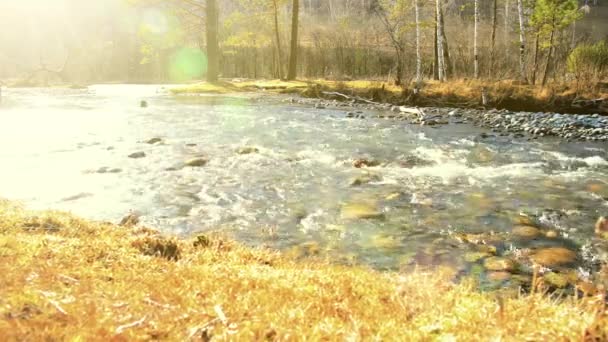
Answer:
(589, 62)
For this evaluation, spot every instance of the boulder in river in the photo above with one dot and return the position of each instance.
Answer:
(197, 162)
(129, 220)
(353, 211)
(365, 179)
(554, 256)
(137, 155)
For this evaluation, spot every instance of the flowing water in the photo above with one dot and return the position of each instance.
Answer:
(68, 150)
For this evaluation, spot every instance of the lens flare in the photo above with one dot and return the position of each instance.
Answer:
(187, 64)
(155, 21)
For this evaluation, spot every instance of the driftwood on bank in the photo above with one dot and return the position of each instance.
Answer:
(355, 99)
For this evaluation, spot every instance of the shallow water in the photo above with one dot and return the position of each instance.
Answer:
(431, 181)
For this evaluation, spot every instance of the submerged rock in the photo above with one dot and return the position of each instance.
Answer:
(499, 276)
(247, 150)
(499, 264)
(601, 227)
(360, 163)
(360, 211)
(154, 141)
(554, 256)
(197, 162)
(137, 155)
(525, 232)
(365, 179)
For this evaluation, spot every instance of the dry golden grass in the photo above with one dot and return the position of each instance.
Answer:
(65, 278)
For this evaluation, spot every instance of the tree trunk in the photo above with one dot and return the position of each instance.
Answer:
(440, 55)
(436, 50)
(535, 61)
(493, 39)
(293, 58)
(418, 54)
(277, 36)
(447, 64)
(550, 54)
(522, 41)
(212, 42)
(475, 38)
(506, 32)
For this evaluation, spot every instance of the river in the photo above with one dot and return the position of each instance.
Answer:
(281, 174)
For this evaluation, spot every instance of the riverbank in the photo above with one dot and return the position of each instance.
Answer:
(467, 94)
(69, 278)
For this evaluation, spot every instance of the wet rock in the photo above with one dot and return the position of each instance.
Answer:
(414, 161)
(393, 196)
(554, 256)
(526, 232)
(106, 169)
(360, 163)
(499, 264)
(499, 276)
(473, 257)
(137, 155)
(247, 150)
(559, 280)
(365, 179)
(197, 162)
(360, 211)
(601, 227)
(130, 220)
(154, 141)
(551, 234)
(76, 197)
(143, 104)
(202, 241)
(191, 145)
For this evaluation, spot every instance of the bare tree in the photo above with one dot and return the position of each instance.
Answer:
(493, 38)
(293, 58)
(278, 38)
(418, 53)
(212, 42)
(522, 40)
(475, 40)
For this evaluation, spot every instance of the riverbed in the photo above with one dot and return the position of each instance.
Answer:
(376, 191)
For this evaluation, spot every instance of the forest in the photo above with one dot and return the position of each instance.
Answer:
(397, 41)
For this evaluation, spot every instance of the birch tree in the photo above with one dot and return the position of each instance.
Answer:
(418, 53)
(440, 44)
(475, 40)
(522, 40)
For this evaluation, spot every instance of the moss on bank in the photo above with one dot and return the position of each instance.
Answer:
(65, 278)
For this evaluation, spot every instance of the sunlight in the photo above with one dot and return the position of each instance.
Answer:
(155, 21)
(188, 64)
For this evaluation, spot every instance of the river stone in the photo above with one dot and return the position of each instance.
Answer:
(154, 141)
(601, 227)
(499, 276)
(247, 150)
(525, 232)
(559, 280)
(554, 256)
(137, 155)
(552, 234)
(360, 163)
(360, 211)
(499, 264)
(196, 162)
(475, 256)
(365, 179)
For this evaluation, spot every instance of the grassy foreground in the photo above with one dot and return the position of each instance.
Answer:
(65, 278)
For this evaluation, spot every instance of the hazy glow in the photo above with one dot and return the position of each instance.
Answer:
(188, 63)
(155, 21)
